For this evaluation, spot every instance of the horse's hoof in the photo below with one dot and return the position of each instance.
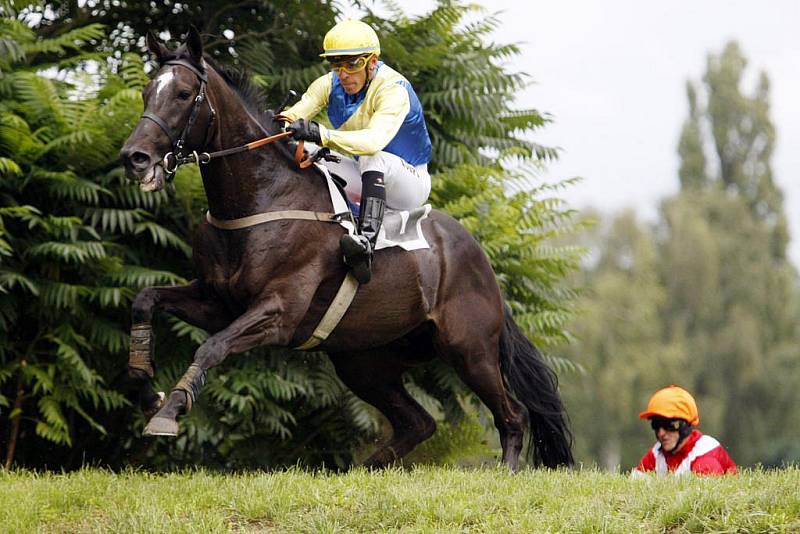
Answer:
(161, 426)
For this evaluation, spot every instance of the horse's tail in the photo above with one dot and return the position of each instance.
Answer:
(535, 385)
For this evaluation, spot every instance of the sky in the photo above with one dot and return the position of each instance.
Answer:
(613, 76)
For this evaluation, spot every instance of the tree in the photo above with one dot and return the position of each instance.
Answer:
(705, 299)
(67, 220)
(732, 295)
(620, 343)
(286, 32)
(736, 311)
(743, 137)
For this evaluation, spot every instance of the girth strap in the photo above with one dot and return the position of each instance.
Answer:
(347, 291)
(337, 309)
(260, 218)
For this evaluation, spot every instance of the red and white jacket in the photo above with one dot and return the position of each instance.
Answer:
(701, 454)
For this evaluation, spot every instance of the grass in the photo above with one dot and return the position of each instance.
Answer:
(425, 499)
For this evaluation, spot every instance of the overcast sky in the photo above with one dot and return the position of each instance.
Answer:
(613, 75)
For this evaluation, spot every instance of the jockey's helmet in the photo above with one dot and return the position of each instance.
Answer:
(351, 38)
(672, 402)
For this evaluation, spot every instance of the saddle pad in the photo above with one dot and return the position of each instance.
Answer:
(401, 228)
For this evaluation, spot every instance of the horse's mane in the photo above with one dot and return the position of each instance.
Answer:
(252, 96)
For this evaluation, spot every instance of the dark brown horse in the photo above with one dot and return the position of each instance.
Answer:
(269, 284)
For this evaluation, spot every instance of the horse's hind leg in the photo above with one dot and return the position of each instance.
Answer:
(376, 377)
(475, 357)
(185, 302)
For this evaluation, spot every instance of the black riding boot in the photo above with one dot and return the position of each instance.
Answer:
(358, 249)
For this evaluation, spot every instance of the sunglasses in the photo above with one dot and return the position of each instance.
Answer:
(672, 425)
(350, 65)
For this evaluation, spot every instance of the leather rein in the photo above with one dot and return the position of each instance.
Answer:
(175, 158)
(344, 296)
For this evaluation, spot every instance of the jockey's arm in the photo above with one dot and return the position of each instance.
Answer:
(313, 100)
(391, 107)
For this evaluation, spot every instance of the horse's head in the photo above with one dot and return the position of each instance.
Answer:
(177, 114)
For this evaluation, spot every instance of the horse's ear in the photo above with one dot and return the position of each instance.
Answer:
(155, 46)
(194, 43)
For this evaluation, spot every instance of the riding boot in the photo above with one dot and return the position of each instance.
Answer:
(358, 249)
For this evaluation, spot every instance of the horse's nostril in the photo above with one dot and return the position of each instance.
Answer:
(140, 159)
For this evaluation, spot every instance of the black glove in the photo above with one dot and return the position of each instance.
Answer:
(305, 130)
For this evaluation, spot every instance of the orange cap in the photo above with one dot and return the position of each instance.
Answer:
(672, 402)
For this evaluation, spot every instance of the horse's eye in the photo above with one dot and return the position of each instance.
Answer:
(184, 95)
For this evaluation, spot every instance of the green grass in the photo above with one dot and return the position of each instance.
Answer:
(425, 499)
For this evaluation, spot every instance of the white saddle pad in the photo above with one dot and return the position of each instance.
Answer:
(401, 228)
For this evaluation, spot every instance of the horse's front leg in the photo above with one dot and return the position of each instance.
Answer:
(264, 324)
(188, 303)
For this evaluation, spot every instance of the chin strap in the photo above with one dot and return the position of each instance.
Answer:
(683, 432)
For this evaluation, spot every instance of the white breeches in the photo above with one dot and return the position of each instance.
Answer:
(407, 186)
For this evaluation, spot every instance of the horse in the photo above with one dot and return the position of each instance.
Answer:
(269, 284)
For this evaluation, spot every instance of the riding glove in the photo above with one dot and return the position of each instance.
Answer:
(305, 130)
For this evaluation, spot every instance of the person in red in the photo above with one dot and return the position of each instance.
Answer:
(681, 448)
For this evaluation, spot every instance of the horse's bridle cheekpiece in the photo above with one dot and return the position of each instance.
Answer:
(176, 157)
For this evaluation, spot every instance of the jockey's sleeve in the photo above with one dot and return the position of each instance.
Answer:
(391, 108)
(313, 100)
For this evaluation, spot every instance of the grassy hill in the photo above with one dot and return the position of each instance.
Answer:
(424, 499)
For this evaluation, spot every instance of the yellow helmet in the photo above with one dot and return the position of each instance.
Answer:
(351, 38)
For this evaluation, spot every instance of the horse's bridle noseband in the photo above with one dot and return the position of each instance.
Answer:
(175, 158)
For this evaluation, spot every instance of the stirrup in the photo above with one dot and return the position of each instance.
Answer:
(357, 252)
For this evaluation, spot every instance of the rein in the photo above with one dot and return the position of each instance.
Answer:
(174, 159)
(203, 158)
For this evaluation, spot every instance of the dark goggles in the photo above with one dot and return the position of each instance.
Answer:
(348, 64)
(672, 425)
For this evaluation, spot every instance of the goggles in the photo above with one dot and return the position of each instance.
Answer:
(672, 425)
(350, 65)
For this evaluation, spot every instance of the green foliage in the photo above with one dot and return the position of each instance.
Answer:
(743, 136)
(705, 299)
(77, 241)
(466, 442)
(265, 409)
(518, 231)
(289, 31)
(464, 84)
(620, 343)
(736, 310)
(733, 296)
(69, 239)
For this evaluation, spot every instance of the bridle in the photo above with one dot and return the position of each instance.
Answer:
(172, 160)
(175, 158)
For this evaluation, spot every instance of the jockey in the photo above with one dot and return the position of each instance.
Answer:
(376, 117)
(680, 448)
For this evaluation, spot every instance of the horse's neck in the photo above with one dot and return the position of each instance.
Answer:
(254, 181)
